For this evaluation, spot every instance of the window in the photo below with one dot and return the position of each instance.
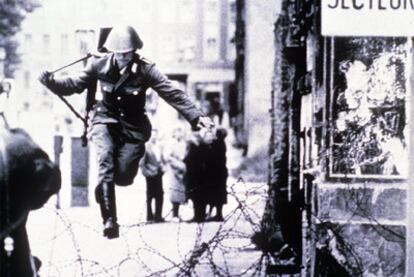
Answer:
(368, 108)
(86, 40)
(28, 43)
(46, 43)
(211, 45)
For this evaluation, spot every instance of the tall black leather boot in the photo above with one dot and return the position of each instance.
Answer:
(105, 196)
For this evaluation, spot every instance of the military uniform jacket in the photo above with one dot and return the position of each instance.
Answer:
(123, 96)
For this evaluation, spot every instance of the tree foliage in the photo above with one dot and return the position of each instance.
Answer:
(12, 14)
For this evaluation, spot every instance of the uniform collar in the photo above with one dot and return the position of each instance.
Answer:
(133, 65)
(109, 62)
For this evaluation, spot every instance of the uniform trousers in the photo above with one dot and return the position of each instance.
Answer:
(118, 156)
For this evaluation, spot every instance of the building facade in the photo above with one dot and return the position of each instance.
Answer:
(340, 183)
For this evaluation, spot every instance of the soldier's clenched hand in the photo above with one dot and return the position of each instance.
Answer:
(204, 122)
(45, 78)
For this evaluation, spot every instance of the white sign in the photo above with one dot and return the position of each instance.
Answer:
(367, 17)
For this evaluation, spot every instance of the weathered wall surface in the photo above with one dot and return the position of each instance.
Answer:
(362, 198)
(364, 227)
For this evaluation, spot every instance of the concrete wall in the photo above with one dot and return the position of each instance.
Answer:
(364, 227)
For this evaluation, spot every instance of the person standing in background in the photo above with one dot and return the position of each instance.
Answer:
(218, 173)
(152, 166)
(174, 176)
(199, 173)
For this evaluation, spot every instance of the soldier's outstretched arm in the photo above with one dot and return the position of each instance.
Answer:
(174, 96)
(177, 98)
(69, 85)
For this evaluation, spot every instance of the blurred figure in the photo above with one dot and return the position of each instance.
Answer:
(217, 109)
(218, 173)
(28, 179)
(174, 176)
(152, 166)
(199, 173)
(192, 179)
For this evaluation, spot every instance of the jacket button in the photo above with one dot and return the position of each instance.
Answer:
(99, 109)
(119, 98)
(121, 114)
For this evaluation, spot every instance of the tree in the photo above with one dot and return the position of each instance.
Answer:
(12, 14)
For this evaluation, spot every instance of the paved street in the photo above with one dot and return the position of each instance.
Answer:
(69, 241)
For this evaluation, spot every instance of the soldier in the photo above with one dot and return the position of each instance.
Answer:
(120, 126)
(152, 166)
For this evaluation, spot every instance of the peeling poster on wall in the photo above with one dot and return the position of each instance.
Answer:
(368, 108)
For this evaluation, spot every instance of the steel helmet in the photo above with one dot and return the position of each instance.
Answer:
(123, 39)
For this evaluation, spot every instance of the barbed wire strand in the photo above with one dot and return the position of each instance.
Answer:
(210, 252)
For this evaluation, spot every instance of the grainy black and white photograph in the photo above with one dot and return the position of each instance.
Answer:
(246, 138)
